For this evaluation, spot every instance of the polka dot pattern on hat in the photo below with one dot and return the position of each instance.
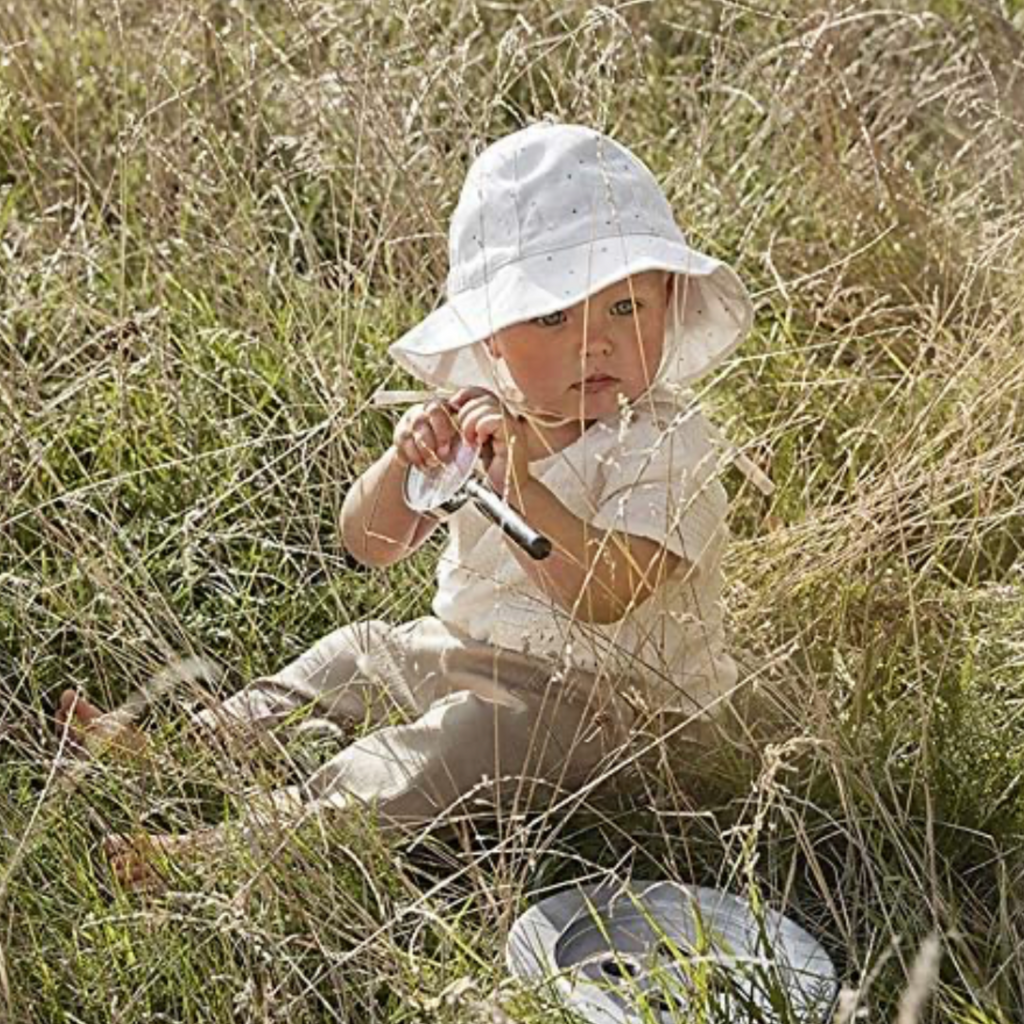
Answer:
(547, 216)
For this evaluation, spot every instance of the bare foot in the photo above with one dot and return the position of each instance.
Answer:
(94, 731)
(142, 861)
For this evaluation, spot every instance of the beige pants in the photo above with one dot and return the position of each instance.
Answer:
(454, 720)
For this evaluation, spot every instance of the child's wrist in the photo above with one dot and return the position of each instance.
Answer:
(522, 491)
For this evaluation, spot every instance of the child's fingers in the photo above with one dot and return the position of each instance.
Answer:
(443, 426)
(424, 436)
(415, 439)
(408, 453)
(464, 395)
(473, 413)
(485, 419)
(491, 426)
(469, 424)
(405, 446)
(420, 447)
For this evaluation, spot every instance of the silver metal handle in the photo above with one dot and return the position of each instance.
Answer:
(512, 524)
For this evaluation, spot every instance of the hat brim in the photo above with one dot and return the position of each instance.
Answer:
(437, 350)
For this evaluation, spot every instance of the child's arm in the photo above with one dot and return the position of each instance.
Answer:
(597, 575)
(377, 527)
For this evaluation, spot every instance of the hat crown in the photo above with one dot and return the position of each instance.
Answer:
(549, 188)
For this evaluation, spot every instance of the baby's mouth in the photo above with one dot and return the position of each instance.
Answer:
(596, 382)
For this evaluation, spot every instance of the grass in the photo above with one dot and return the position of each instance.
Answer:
(213, 218)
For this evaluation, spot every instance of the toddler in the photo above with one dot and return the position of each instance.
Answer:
(576, 318)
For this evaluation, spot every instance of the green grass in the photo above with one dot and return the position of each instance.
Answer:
(213, 219)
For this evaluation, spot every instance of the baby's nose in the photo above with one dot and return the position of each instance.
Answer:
(598, 340)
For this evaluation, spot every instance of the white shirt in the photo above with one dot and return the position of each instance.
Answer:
(651, 474)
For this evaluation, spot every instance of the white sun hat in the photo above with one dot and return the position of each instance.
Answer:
(547, 216)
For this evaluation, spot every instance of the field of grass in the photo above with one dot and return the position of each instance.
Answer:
(215, 215)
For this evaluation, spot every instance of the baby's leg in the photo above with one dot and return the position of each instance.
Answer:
(351, 675)
(357, 673)
(482, 736)
(344, 677)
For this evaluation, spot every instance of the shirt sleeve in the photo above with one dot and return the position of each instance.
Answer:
(662, 484)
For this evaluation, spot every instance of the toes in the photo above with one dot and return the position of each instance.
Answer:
(74, 708)
(91, 730)
(111, 734)
(86, 712)
(132, 861)
(132, 873)
(115, 846)
(141, 861)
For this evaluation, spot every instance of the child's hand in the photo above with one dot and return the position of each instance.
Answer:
(485, 423)
(425, 434)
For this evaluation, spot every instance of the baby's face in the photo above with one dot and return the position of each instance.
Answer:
(585, 360)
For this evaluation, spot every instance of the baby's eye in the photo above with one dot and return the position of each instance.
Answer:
(550, 319)
(625, 307)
